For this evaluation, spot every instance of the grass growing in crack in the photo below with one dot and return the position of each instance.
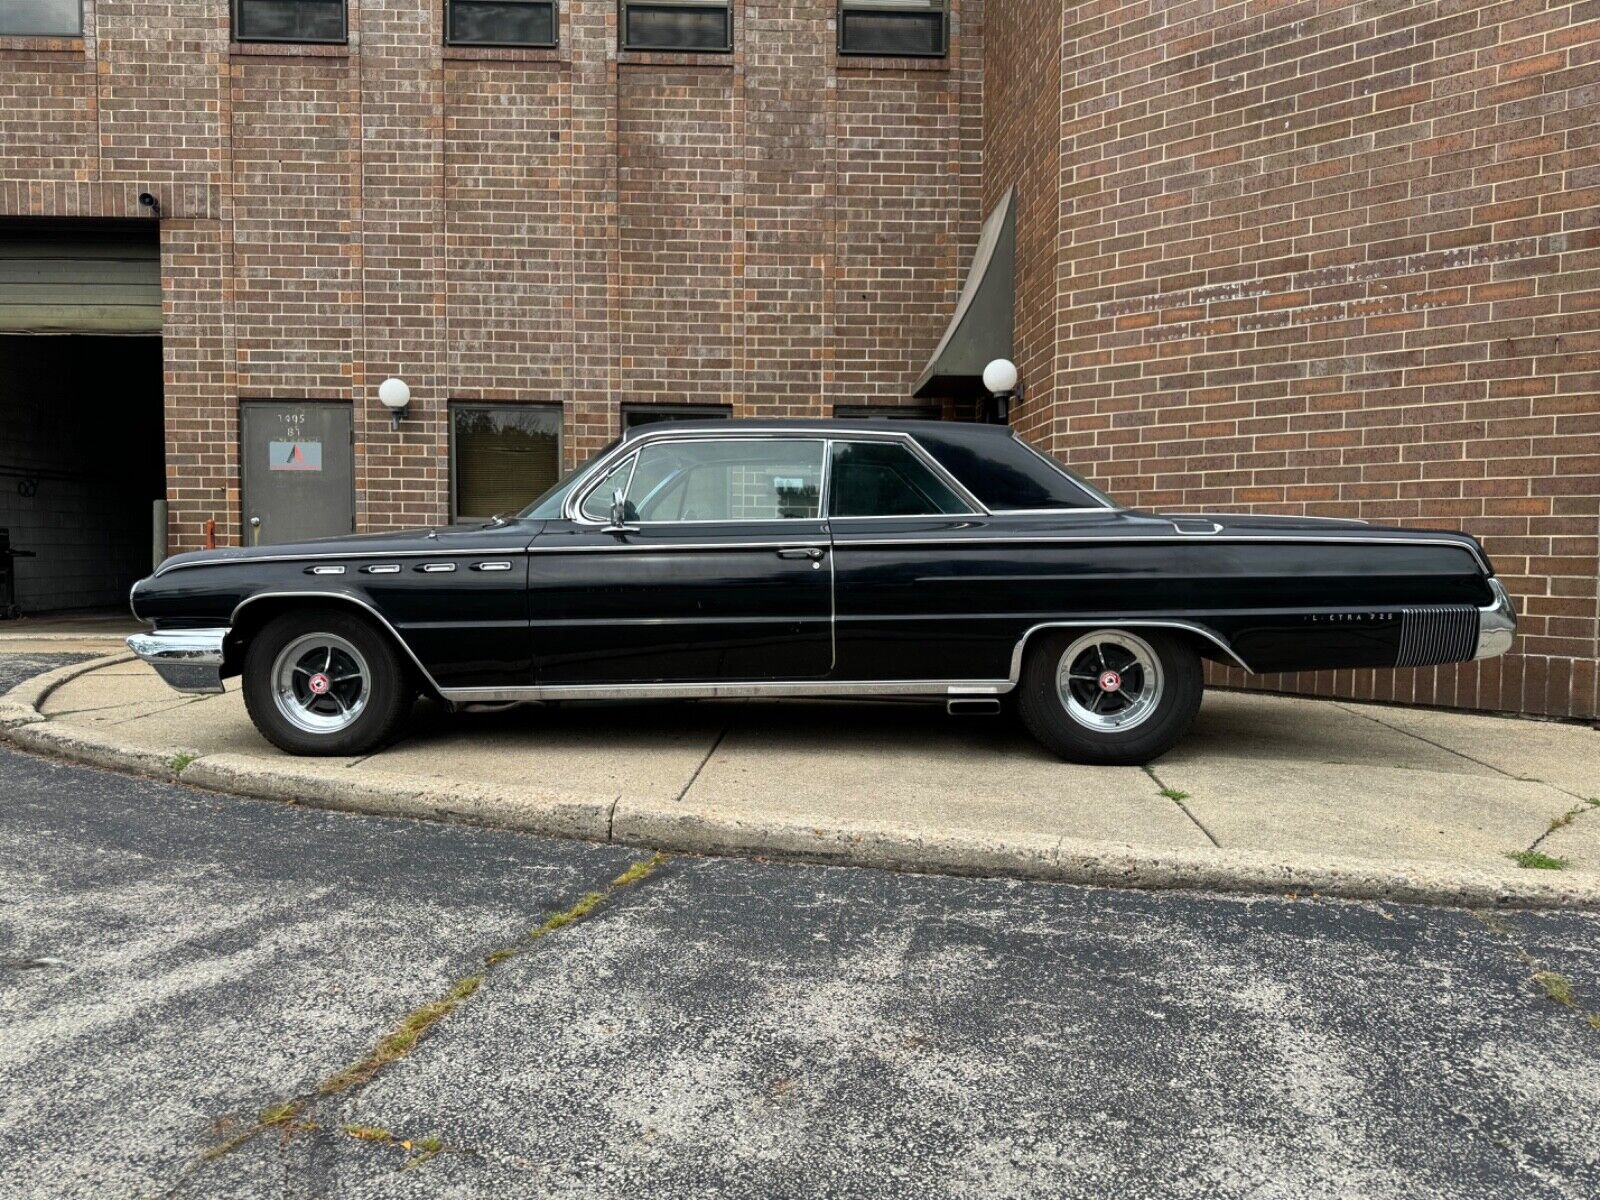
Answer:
(368, 1133)
(283, 1116)
(179, 762)
(1536, 860)
(1558, 987)
(1172, 793)
(403, 1038)
(418, 1150)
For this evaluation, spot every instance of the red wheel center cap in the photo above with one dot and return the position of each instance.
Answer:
(1110, 681)
(319, 684)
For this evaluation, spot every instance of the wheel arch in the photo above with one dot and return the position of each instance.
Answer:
(252, 614)
(1208, 642)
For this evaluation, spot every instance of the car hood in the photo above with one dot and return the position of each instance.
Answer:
(443, 538)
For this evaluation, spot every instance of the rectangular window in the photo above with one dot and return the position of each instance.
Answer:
(676, 25)
(288, 21)
(501, 22)
(894, 28)
(41, 18)
(502, 456)
(635, 415)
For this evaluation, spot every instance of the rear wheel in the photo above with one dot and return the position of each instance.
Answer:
(1109, 696)
(325, 682)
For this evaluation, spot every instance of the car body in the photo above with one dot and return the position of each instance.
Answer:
(827, 558)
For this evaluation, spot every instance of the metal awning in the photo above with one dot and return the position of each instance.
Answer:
(980, 330)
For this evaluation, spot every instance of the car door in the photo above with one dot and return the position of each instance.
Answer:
(913, 600)
(721, 570)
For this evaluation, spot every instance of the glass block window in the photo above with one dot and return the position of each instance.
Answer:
(676, 25)
(501, 22)
(501, 457)
(43, 18)
(894, 28)
(288, 21)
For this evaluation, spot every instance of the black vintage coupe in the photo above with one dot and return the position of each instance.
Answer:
(815, 558)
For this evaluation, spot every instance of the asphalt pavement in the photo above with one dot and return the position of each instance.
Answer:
(209, 996)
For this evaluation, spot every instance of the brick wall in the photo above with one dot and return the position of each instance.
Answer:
(776, 229)
(1330, 258)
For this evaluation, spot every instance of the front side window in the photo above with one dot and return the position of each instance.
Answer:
(288, 21)
(500, 22)
(41, 18)
(501, 456)
(723, 480)
(677, 25)
(884, 479)
(894, 28)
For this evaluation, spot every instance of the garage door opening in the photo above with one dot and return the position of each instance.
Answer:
(82, 453)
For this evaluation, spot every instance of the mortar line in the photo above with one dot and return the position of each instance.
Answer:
(1459, 754)
(1182, 806)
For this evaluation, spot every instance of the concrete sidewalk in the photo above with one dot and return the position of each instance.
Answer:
(1267, 793)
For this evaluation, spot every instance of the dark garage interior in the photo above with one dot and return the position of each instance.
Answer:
(81, 463)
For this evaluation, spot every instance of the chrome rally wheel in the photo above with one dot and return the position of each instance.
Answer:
(1109, 680)
(320, 683)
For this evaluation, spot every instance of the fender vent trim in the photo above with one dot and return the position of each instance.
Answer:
(1437, 633)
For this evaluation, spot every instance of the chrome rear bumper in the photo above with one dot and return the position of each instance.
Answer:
(1497, 623)
(187, 659)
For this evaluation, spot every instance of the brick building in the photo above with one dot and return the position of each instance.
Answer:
(1335, 257)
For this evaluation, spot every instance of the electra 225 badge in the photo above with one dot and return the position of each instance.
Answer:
(1349, 618)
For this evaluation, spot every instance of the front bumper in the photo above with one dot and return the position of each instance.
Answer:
(1497, 623)
(187, 659)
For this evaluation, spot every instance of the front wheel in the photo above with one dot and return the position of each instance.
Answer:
(1115, 697)
(325, 682)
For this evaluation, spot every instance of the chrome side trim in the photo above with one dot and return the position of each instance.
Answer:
(713, 691)
(1023, 538)
(346, 598)
(1121, 623)
(1497, 623)
(436, 552)
(189, 660)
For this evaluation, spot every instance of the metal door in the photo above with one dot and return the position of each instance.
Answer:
(298, 471)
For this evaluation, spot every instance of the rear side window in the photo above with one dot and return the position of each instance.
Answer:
(884, 479)
(1005, 474)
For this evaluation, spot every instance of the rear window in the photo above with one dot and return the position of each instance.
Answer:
(1006, 474)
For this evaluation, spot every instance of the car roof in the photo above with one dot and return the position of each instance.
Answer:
(947, 430)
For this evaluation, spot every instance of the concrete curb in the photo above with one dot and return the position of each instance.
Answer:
(669, 825)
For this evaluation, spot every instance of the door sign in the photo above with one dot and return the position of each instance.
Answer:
(294, 456)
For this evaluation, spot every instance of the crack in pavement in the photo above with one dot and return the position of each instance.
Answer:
(294, 1114)
(1178, 796)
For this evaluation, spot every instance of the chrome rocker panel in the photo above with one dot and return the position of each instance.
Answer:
(189, 660)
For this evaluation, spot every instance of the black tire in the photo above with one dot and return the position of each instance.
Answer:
(1151, 731)
(383, 703)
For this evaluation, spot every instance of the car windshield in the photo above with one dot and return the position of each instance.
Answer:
(548, 506)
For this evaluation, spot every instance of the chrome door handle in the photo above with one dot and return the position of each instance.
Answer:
(812, 552)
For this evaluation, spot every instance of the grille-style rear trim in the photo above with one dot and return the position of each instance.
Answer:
(1437, 633)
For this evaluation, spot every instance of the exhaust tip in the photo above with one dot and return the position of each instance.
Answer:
(973, 706)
